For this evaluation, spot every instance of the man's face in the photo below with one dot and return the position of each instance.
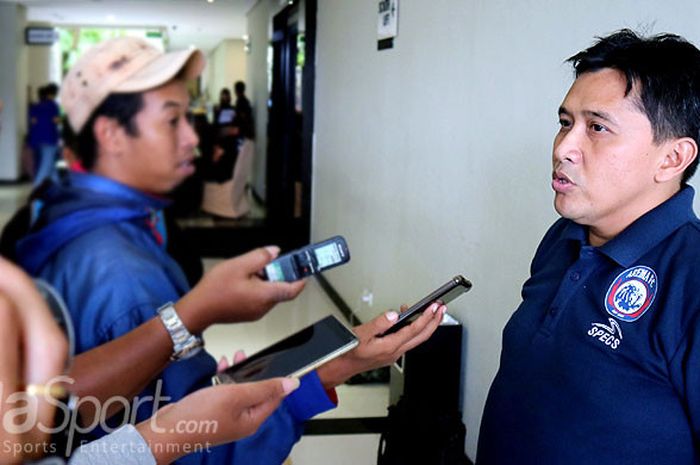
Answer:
(224, 98)
(160, 157)
(604, 156)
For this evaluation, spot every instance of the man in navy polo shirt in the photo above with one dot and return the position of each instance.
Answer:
(601, 361)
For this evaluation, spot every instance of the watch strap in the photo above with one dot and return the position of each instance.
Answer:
(185, 344)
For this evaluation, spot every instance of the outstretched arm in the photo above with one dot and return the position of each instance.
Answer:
(231, 292)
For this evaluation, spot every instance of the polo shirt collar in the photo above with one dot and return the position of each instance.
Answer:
(575, 232)
(651, 228)
(647, 231)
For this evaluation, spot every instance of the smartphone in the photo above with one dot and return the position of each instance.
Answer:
(294, 356)
(443, 294)
(308, 260)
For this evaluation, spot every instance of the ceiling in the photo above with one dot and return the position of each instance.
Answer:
(187, 22)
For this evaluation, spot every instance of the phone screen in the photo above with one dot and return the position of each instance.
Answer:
(328, 255)
(296, 355)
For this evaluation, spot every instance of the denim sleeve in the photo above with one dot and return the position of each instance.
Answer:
(273, 442)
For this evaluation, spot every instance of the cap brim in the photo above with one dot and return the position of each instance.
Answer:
(163, 69)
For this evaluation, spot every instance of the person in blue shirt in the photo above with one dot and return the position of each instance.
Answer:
(35, 349)
(44, 121)
(600, 361)
(99, 239)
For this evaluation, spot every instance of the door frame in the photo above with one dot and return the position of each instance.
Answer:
(288, 209)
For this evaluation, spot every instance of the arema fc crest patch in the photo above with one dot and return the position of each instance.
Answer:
(632, 293)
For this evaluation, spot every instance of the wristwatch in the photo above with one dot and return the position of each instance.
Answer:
(185, 344)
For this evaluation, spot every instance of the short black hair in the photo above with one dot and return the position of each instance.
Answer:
(51, 89)
(664, 70)
(239, 87)
(122, 108)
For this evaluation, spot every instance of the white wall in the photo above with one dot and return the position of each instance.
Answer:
(226, 64)
(433, 158)
(13, 79)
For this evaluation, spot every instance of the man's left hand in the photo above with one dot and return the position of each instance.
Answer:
(375, 351)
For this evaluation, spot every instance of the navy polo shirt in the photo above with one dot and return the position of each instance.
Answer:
(601, 361)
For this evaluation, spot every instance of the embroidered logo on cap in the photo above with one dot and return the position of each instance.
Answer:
(632, 293)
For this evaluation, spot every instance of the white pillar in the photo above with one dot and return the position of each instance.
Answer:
(43, 64)
(13, 79)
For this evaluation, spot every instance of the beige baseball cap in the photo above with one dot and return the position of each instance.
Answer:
(125, 64)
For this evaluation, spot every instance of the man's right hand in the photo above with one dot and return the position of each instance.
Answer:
(234, 292)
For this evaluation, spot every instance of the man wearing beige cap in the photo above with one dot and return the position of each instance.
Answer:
(100, 240)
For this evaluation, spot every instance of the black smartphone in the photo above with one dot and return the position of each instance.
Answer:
(294, 356)
(308, 260)
(443, 294)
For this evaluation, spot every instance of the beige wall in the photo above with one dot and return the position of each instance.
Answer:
(226, 64)
(433, 158)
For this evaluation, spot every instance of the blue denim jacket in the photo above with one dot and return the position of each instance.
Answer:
(97, 243)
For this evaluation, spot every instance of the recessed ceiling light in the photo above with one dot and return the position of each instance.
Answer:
(210, 1)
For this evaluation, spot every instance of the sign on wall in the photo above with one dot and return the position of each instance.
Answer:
(388, 23)
(40, 35)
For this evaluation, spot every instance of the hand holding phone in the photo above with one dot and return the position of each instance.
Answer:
(375, 351)
(308, 260)
(294, 356)
(444, 294)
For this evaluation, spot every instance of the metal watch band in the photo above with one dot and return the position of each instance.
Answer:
(185, 344)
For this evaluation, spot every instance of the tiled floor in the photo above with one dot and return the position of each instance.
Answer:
(313, 304)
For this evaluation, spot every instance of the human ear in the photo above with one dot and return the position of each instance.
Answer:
(109, 136)
(680, 154)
